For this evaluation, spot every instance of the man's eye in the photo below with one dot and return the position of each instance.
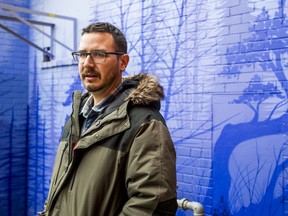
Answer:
(98, 54)
(82, 55)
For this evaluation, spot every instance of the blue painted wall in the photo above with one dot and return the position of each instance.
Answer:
(223, 65)
(13, 118)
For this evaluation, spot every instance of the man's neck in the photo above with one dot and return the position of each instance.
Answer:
(99, 97)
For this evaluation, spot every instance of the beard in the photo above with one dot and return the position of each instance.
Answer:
(89, 85)
(91, 88)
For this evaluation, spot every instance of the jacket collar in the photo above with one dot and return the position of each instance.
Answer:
(141, 89)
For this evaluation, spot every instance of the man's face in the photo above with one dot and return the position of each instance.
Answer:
(101, 79)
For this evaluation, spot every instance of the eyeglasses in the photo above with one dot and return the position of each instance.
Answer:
(97, 56)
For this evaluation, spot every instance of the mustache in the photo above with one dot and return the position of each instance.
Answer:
(90, 73)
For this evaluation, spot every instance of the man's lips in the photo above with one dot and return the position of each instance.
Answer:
(90, 75)
(90, 78)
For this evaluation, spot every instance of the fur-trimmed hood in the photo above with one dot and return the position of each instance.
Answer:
(147, 89)
(141, 89)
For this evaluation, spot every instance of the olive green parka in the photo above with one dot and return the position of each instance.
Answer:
(124, 164)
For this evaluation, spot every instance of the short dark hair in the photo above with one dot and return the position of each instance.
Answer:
(118, 36)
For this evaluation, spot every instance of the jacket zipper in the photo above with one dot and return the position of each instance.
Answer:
(58, 171)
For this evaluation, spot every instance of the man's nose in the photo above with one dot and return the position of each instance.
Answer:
(88, 62)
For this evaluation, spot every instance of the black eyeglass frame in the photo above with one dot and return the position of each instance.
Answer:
(74, 54)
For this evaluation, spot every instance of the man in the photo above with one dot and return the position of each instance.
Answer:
(116, 156)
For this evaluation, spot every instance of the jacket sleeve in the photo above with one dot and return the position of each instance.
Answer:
(151, 172)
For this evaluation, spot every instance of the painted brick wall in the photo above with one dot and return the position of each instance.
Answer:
(223, 67)
(13, 117)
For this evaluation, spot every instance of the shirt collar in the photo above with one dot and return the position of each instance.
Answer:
(99, 107)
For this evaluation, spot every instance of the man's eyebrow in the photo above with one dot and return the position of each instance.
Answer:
(101, 50)
(98, 50)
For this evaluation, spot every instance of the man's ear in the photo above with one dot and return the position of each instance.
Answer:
(124, 60)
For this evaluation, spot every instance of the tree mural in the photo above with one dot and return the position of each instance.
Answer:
(38, 150)
(13, 140)
(267, 33)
